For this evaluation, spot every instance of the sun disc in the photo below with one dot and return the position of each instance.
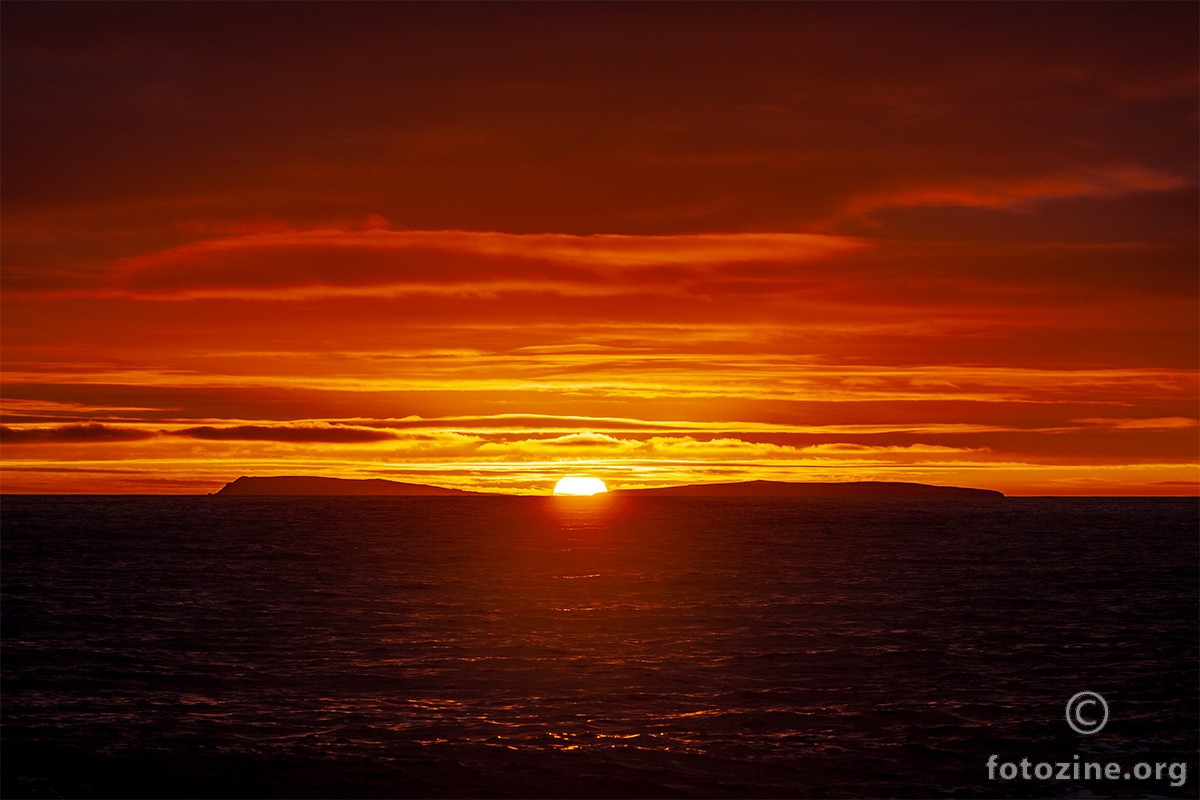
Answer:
(580, 486)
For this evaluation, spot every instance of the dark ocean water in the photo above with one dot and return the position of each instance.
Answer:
(645, 647)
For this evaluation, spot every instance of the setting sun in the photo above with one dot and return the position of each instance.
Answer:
(580, 486)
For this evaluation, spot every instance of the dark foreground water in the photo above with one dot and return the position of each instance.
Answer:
(645, 647)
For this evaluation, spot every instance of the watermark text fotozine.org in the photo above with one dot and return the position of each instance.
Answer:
(1087, 714)
(1076, 770)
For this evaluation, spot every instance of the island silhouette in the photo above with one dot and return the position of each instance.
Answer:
(313, 486)
(812, 489)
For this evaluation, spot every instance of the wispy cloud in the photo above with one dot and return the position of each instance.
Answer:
(70, 434)
(374, 261)
(323, 434)
(1022, 194)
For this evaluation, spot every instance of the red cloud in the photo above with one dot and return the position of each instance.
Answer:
(300, 263)
(1022, 193)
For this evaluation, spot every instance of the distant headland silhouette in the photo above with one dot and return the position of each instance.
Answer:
(312, 486)
(807, 489)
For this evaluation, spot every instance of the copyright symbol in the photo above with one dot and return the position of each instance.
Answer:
(1087, 713)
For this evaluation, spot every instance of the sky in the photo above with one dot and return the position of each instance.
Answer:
(489, 245)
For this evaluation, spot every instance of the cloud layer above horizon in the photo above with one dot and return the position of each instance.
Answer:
(485, 245)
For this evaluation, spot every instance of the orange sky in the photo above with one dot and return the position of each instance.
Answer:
(486, 246)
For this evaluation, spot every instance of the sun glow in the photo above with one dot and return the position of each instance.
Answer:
(580, 486)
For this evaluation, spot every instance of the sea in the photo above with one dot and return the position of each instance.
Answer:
(598, 647)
